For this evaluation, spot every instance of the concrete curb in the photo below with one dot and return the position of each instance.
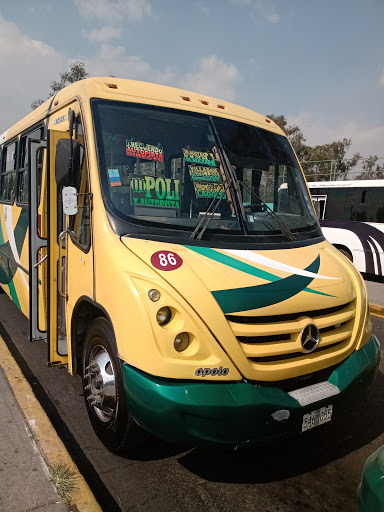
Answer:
(376, 310)
(50, 445)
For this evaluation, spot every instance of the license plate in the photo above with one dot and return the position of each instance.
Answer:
(316, 418)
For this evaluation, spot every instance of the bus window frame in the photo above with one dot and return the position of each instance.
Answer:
(317, 198)
(87, 198)
(26, 134)
(14, 171)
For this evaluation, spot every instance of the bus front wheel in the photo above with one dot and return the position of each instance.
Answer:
(104, 391)
(345, 251)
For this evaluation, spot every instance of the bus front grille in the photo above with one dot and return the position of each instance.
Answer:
(275, 340)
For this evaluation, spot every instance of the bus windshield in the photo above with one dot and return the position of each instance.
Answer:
(167, 168)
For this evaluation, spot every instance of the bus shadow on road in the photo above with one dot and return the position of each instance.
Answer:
(292, 457)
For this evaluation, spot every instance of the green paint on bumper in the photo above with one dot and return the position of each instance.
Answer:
(370, 495)
(237, 412)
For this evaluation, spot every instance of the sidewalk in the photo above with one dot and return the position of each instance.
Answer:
(28, 444)
(24, 479)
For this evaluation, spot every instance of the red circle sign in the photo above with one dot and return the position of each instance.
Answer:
(166, 260)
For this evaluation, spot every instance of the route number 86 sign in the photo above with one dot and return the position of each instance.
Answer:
(166, 260)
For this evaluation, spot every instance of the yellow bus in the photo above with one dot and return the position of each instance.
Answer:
(143, 234)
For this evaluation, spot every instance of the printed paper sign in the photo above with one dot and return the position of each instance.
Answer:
(154, 191)
(199, 173)
(145, 151)
(114, 177)
(198, 157)
(210, 190)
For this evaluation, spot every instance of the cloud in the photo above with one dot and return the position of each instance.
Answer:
(28, 66)
(367, 139)
(113, 11)
(272, 18)
(203, 8)
(213, 77)
(42, 8)
(102, 34)
(113, 60)
(260, 7)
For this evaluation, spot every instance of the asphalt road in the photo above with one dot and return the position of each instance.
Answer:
(319, 471)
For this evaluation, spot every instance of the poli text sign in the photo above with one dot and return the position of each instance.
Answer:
(155, 192)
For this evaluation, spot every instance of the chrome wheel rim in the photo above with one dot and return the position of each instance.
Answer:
(100, 383)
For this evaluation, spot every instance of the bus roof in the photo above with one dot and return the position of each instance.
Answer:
(346, 184)
(140, 92)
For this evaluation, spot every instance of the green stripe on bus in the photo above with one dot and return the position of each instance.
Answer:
(244, 267)
(13, 293)
(263, 295)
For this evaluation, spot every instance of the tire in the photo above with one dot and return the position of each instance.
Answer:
(346, 253)
(104, 391)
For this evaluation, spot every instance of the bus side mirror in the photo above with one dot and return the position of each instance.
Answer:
(70, 201)
(67, 162)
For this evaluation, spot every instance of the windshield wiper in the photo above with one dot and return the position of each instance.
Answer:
(231, 179)
(208, 215)
(231, 192)
(288, 235)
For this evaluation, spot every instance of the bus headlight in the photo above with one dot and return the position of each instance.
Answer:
(163, 316)
(181, 341)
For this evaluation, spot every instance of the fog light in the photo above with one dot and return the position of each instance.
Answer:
(154, 295)
(181, 341)
(163, 316)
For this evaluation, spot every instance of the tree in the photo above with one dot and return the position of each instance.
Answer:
(371, 170)
(293, 133)
(320, 163)
(327, 161)
(76, 72)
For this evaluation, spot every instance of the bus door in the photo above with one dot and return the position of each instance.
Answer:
(37, 163)
(320, 203)
(71, 274)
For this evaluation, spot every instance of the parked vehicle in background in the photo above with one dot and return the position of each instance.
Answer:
(351, 215)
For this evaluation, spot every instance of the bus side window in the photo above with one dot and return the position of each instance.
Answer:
(22, 197)
(8, 173)
(336, 204)
(350, 207)
(375, 205)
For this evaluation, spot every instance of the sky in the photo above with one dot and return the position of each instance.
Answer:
(319, 63)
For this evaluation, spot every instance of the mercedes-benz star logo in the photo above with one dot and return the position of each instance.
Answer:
(310, 338)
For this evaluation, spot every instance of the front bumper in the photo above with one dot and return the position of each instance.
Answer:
(238, 412)
(370, 495)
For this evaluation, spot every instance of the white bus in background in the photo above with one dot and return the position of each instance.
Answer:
(351, 215)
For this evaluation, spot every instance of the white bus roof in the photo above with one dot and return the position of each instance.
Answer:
(346, 184)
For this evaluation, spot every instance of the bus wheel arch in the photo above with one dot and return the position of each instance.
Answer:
(104, 392)
(84, 314)
(344, 250)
